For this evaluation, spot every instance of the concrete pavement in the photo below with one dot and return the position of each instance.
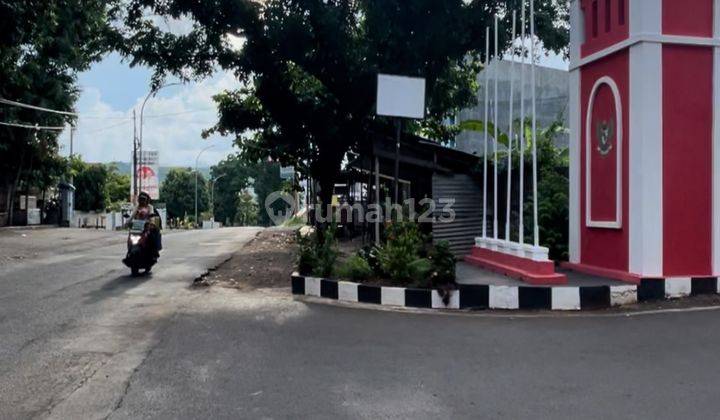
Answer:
(85, 342)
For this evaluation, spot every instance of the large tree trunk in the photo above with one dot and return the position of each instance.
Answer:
(13, 190)
(6, 205)
(326, 170)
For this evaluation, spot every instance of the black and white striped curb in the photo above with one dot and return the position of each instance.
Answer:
(477, 297)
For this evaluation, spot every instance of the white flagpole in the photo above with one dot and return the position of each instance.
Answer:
(485, 121)
(521, 227)
(536, 231)
(495, 135)
(510, 130)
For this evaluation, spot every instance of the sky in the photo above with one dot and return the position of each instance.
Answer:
(173, 119)
(110, 90)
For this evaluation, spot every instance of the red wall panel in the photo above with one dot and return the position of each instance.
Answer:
(687, 160)
(605, 24)
(607, 248)
(687, 17)
(603, 165)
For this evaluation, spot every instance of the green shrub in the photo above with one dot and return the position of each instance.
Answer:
(356, 268)
(404, 244)
(409, 234)
(420, 272)
(370, 254)
(443, 264)
(315, 256)
(306, 253)
(326, 255)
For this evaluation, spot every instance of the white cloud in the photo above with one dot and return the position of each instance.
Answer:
(173, 123)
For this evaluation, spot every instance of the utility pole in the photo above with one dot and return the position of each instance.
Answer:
(134, 194)
(72, 132)
(398, 126)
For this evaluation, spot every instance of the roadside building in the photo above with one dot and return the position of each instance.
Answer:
(552, 102)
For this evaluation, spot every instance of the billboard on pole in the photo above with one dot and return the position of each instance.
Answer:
(401, 96)
(287, 172)
(148, 173)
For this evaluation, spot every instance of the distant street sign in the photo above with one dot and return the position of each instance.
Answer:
(287, 172)
(401, 96)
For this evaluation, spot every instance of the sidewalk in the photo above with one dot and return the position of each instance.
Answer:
(467, 274)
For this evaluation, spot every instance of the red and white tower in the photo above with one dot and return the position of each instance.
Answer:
(645, 138)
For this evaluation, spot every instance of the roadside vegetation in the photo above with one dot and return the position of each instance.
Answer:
(553, 163)
(308, 72)
(406, 257)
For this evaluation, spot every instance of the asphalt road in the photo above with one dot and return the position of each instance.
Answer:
(109, 348)
(75, 326)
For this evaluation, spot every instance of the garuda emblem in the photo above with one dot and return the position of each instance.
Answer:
(604, 131)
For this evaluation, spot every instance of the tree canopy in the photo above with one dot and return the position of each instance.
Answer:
(234, 176)
(178, 193)
(90, 181)
(231, 198)
(309, 67)
(99, 186)
(43, 44)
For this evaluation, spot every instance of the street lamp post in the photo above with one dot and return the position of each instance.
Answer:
(152, 93)
(196, 180)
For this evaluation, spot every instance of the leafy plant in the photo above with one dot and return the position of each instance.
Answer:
(326, 255)
(443, 264)
(355, 268)
(421, 271)
(409, 232)
(404, 245)
(306, 253)
(553, 182)
(317, 255)
(370, 254)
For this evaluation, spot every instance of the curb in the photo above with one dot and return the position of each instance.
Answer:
(482, 297)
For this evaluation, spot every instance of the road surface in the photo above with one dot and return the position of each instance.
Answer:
(81, 341)
(75, 326)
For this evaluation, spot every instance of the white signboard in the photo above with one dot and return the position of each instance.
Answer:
(148, 173)
(400, 96)
(287, 172)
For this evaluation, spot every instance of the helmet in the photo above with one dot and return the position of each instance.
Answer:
(144, 195)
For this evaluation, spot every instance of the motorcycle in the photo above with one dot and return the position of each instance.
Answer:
(142, 252)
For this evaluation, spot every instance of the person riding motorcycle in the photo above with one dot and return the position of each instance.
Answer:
(146, 211)
(144, 238)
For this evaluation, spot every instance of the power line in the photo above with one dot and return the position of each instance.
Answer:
(55, 111)
(33, 127)
(192, 111)
(95, 116)
(37, 108)
(97, 130)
